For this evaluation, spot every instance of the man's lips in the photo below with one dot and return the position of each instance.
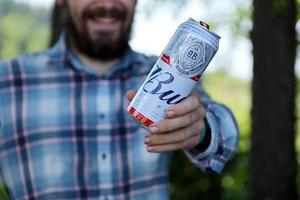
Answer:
(103, 19)
(107, 18)
(103, 23)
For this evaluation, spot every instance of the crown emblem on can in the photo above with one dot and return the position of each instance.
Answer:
(191, 56)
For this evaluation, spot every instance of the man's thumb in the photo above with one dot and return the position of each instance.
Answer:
(130, 94)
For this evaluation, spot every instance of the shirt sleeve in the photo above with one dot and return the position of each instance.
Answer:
(224, 136)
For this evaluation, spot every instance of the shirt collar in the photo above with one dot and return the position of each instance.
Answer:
(61, 54)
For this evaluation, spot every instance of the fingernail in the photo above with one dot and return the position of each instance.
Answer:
(150, 148)
(154, 129)
(147, 140)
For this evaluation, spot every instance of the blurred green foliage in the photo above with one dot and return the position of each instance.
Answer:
(187, 182)
(3, 195)
(22, 28)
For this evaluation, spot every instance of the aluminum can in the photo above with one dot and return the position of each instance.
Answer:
(175, 73)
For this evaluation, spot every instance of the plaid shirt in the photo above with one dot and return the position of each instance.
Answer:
(65, 132)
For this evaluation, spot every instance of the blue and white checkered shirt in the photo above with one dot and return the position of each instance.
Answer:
(65, 132)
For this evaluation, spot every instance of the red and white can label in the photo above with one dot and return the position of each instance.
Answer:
(162, 89)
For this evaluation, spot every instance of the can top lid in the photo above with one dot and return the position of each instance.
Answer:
(202, 29)
(205, 25)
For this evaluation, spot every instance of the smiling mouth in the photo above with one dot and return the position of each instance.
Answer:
(104, 19)
(103, 24)
(98, 19)
(105, 14)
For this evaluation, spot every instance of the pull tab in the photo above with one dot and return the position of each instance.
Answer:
(205, 25)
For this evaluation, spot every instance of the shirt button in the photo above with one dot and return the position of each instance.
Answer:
(101, 116)
(103, 156)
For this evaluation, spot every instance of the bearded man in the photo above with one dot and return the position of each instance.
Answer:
(64, 129)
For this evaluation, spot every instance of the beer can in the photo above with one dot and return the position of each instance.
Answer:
(175, 73)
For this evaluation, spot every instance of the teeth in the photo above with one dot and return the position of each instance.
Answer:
(103, 19)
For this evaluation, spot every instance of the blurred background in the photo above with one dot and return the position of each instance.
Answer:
(255, 73)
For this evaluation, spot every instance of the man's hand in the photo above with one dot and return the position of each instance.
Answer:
(180, 130)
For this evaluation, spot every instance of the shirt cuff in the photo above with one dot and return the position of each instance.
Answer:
(213, 146)
(224, 141)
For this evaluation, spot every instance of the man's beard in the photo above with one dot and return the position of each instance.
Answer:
(104, 47)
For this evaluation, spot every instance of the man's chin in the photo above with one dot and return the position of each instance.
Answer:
(104, 37)
(113, 28)
(104, 51)
(105, 45)
(101, 45)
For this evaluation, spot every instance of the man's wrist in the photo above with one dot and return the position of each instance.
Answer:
(202, 134)
(205, 139)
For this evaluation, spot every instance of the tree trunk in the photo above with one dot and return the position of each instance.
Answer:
(273, 163)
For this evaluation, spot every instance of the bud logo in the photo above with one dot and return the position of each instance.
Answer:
(157, 84)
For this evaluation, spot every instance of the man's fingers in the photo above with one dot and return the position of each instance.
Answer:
(173, 124)
(189, 104)
(188, 144)
(130, 94)
(178, 136)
